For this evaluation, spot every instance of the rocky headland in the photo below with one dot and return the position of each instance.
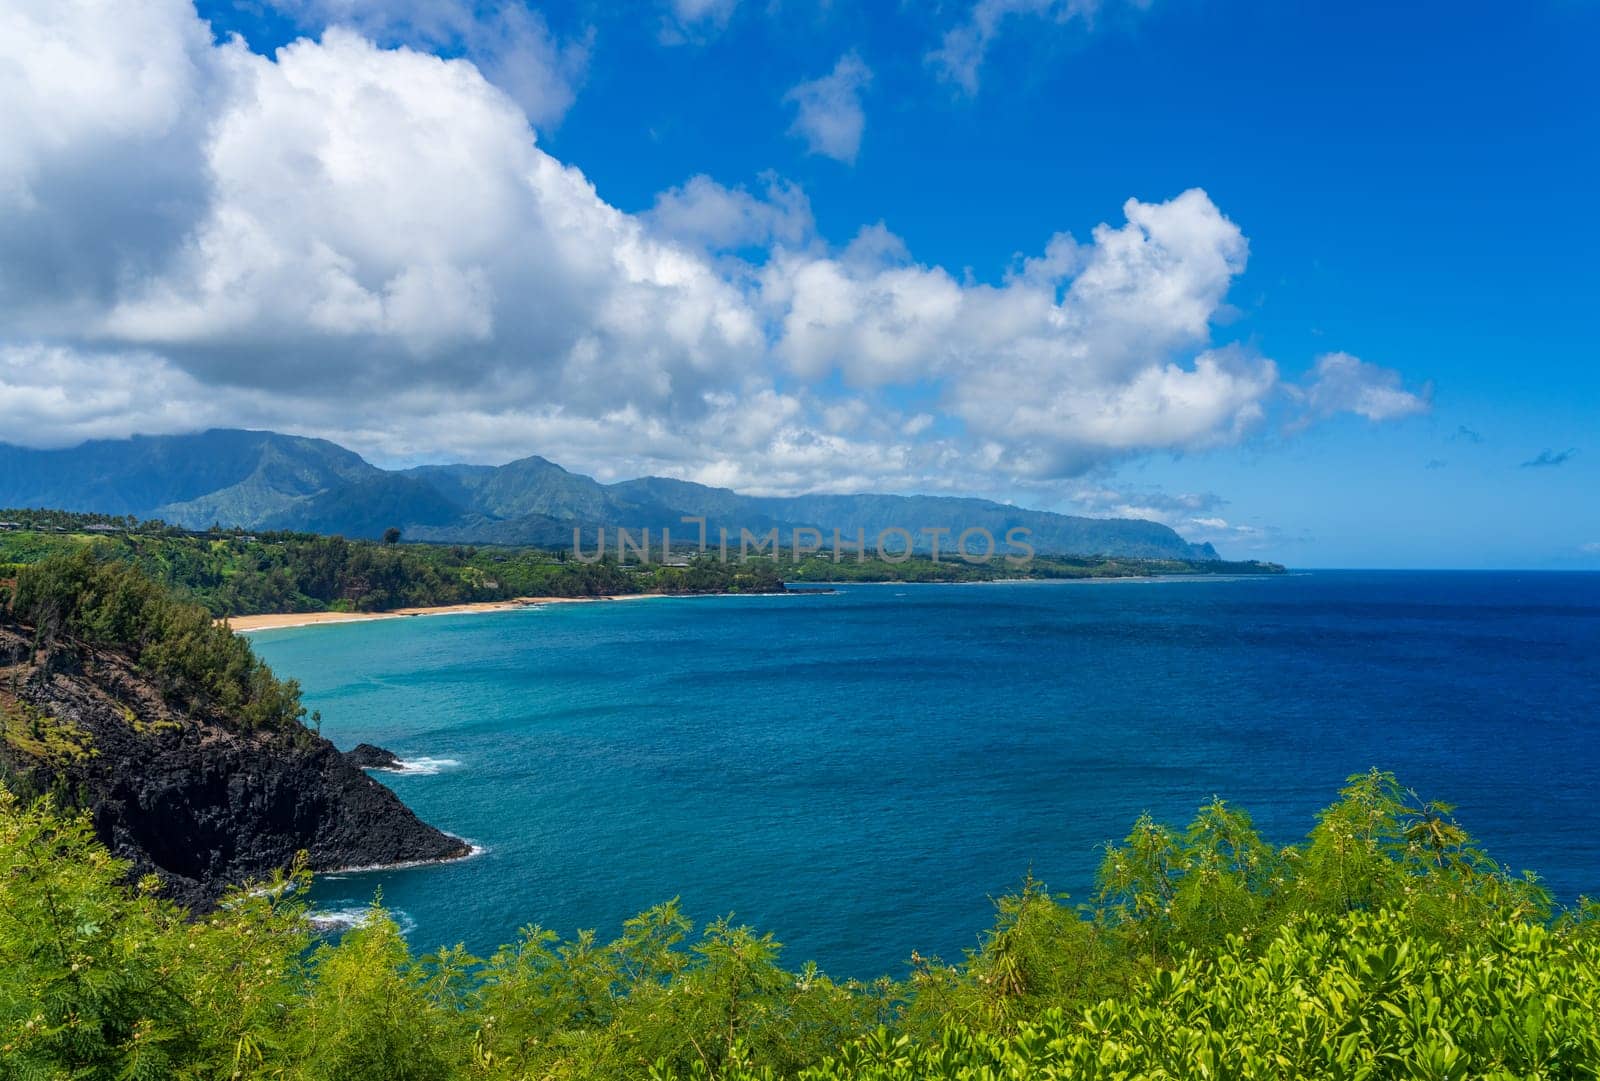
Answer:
(183, 792)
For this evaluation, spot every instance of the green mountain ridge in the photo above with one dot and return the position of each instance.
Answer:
(243, 475)
(266, 480)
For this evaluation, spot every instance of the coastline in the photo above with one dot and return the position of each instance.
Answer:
(473, 851)
(282, 620)
(285, 620)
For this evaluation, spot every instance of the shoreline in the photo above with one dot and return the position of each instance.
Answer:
(474, 850)
(271, 621)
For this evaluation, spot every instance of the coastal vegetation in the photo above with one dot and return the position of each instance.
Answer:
(237, 573)
(232, 572)
(196, 764)
(193, 663)
(1386, 945)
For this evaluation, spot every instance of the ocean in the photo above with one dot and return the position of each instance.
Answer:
(861, 773)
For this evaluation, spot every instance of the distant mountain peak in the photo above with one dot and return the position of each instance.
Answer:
(268, 480)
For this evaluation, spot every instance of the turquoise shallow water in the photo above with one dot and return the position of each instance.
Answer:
(860, 772)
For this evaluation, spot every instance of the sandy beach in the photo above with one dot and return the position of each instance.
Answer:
(276, 620)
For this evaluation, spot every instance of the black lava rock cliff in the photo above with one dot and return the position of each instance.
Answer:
(189, 797)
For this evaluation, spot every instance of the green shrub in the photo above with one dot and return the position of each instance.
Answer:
(1358, 996)
(192, 660)
(1387, 946)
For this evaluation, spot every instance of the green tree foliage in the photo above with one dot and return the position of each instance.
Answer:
(65, 521)
(1358, 996)
(372, 1014)
(1386, 946)
(234, 573)
(102, 980)
(194, 662)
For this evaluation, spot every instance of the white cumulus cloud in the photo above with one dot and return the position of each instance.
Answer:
(384, 214)
(1101, 352)
(508, 41)
(828, 112)
(1341, 383)
(705, 214)
(53, 396)
(368, 242)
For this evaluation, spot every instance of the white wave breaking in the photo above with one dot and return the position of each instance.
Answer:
(421, 767)
(336, 921)
(474, 850)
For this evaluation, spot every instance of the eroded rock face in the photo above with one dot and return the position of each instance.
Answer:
(371, 756)
(191, 798)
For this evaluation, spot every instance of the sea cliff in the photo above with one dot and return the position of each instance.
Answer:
(181, 792)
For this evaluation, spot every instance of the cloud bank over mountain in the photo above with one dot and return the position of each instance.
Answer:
(367, 242)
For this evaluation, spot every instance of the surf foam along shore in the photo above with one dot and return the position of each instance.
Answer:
(473, 851)
(371, 757)
(420, 766)
(332, 922)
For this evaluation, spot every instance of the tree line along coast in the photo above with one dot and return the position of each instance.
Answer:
(237, 572)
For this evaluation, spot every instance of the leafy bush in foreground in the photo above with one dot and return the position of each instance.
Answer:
(1357, 996)
(1386, 946)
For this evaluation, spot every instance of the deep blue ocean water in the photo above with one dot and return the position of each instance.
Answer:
(860, 773)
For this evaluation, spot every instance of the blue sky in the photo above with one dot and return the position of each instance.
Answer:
(1413, 185)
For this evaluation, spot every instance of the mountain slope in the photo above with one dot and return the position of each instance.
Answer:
(1048, 532)
(228, 476)
(263, 480)
(366, 507)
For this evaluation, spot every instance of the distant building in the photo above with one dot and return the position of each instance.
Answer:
(10, 525)
(102, 527)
